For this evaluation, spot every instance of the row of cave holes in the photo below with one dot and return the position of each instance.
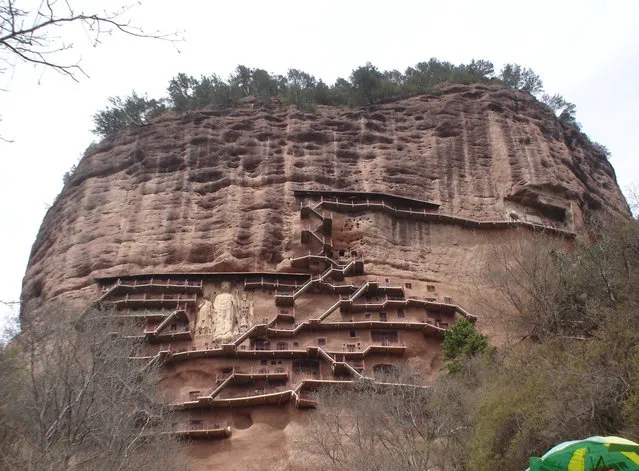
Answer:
(352, 223)
(322, 341)
(193, 395)
(348, 226)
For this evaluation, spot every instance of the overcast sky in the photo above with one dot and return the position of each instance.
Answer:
(586, 50)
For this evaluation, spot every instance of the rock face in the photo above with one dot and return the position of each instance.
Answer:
(226, 228)
(213, 191)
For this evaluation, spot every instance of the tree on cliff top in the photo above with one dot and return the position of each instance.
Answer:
(367, 85)
(521, 78)
(125, 113)
(367, 82)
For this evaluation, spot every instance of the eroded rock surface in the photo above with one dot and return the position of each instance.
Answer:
(213, 191)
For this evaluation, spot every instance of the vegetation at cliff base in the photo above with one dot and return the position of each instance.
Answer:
(571, 371)
(73, 398)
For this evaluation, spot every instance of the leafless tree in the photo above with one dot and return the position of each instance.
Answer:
(632, 196)
(566, 291)
(373, 426)
(37, 36)
(73, 397)
(521, 283)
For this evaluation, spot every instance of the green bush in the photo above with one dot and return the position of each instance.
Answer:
(570, 383)
(367, 85)
(462, 342)
(128, 112)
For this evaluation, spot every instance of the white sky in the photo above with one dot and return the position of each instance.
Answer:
(586, 50)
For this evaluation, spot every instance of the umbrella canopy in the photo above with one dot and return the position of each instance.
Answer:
(591, 454)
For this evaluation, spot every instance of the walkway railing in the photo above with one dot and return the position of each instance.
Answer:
(146, 298)
(203, 429)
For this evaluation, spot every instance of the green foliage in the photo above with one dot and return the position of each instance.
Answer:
(66, 178)
(241, 80)
(568, 116)
(128, 112)
(341, 92)
(426, 75)
(601, 148)
(543, 394)
(300, 89)
(555, 102)
(481, 68)
(181, 90)
(366, 85)
(462, 342)
(565, 111)
(575, 381)
(187, 92)
(367, 82)
(521, 78)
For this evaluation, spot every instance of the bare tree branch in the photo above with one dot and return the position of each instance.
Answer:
(9, 303)
(77, 396)
(27, 35)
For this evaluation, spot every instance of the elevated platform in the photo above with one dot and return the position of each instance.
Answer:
(320, 360)
(359, 196)
(150, 299)
(145, 314)
(306, 400)
(272, 374)
(196, 429)
(408, 208)
(155, 285)
(279, 397)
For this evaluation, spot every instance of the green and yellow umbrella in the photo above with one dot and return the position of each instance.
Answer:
(591, 454)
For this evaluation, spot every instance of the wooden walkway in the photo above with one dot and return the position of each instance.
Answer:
(407, 208)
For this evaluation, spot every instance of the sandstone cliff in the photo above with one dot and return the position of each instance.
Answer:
(212, 191)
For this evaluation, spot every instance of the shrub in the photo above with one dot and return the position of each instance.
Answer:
(128, 112)
(461, 342)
